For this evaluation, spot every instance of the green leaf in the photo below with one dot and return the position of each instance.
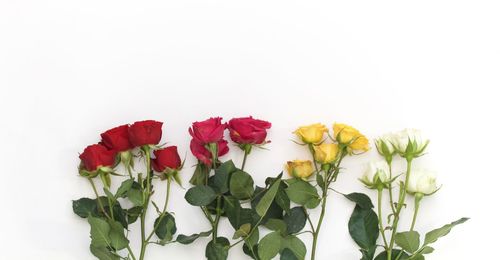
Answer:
(133, 214)
(117, 236)
(165, 227)
(84, 207)
(287, 254)
(426, 250)
(276, 225)
(200, 195)
(241, 185)
(253, 239)
(120, 214)
(302, 193)
(282, 199)
(243, 231)
(108, 193)
(267, 199)
(99, 232)
(319, 180)
(217, 251)
(220, 181)
(408, 241)
(185, 240)
(435, 234)
(295, 220)
(360, 199)
(135, 194)
(295, 245)
(236, 214)
(363, 227)
(103, 253)
(124, 188)
(269, 246)
(200, 175)
(394, 255)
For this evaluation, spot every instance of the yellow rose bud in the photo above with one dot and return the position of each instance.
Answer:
(351, 137)
(299, 168)
(311, 134)
(326, 153)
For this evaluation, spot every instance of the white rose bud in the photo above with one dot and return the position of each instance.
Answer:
(385, 145)
(376, 175)
(422, 182)
(409, 143)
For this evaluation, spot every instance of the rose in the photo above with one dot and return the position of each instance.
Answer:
(385, 145)
(97, 156)
(208, 131)
(203, 154)
(422, 182)
(351, 137)
(246, 130)
(376, 175)
(166, 159)
(326, 153)
(145, 132)
(117, 138)
(410, 142)
(300, 168)
(311, 134)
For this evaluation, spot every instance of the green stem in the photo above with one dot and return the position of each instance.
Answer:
(381, 224)
(391, 198)
(164, 211)
(130, 252)
(398, 208)
(217, 219)
(144, 243)
(246, 152)
(99, 202)
(129, 170)
(318, 228)
(418, 198)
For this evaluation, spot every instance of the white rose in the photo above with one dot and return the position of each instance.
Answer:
(384, 144)
(422, 181)
(376, 174)
(403, 138)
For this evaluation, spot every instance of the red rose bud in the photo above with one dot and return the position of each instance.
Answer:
(166, 158)
(117, 139)
(96, 156)
(208, 131)
(203, 154)
(145, 132)
(246, 130)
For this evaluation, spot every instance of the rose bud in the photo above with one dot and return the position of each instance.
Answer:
(410, 143)
(203, 154)
(326, 153)
(97, 157)
(208, 131)
(311, 134)
(145, 133)
(166, 158)
(300, 169)
(246, 130)
(350, 137)
(376, 175)
(385, 146)
(422, 182)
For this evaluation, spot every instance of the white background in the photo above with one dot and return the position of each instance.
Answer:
(72, 69)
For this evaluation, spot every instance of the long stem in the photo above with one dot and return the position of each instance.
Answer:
(146, 202)
(398, 208)
(318, 227)
(217, 219)
(244, 159)
(381, 224)
(391, 200)
(99, 202)
(130, 252)
(418, 197)
(164, 211)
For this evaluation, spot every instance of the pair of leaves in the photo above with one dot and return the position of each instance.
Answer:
(410, 240)
(302, 193)
(274, 243)
(107, 236)
(165, 227)
(186, 240)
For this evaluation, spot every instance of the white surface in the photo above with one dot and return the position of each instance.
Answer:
(71, 69)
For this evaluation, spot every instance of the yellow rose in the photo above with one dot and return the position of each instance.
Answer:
(351, 137)
(326, 153)
(311, 134)
(299, 168)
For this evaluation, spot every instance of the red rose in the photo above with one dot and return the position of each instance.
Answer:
(117, 139)
(96, 155)
(246, 130)
(145, 132)
(166, 158)
(203, 154)
(208, 131)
